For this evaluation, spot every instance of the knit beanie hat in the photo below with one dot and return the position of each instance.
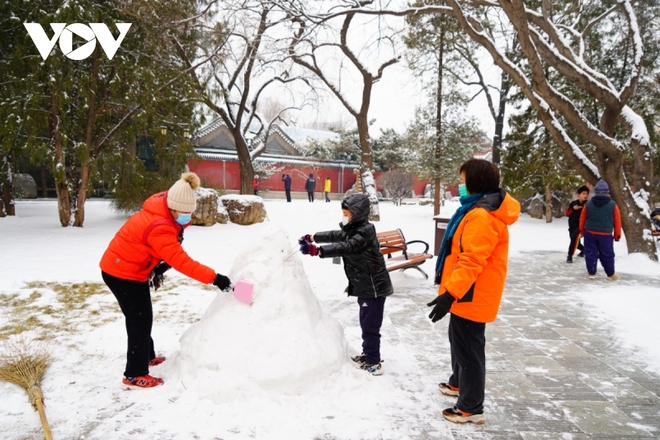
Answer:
(181, 196)
(601, 187)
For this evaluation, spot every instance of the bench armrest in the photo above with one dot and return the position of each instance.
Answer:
(426, 251)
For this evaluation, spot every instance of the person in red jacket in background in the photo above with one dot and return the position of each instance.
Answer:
(600, 223)
(470, 273)
(147, 245)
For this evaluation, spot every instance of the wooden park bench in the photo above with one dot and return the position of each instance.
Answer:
(393, 242)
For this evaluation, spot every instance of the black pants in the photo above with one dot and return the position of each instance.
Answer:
(327, 196)
(468, 362)
(310, 196)
(288, 195)
(135, 302)
(575, 242)
(371, 318)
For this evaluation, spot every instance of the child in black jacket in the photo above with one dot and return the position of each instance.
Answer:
(573, 213)
(365, 269)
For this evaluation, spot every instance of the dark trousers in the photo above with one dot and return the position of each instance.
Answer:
(468, 362)
(288, 195)
(135, 302)
(575, 242)
(327, 196)
(599, 247)
(310, 196)
(371, 318)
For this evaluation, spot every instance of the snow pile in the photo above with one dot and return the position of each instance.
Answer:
(284, 342)
(243, 199)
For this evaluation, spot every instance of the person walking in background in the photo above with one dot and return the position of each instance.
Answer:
(470, 273)
(146, 246)
(327, 188)
(364, 265)
(600, 218)
(255, 185)
(310, 187)
(287, 186)
(573, 213)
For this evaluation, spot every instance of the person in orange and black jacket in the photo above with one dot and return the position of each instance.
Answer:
(573, 213)
(147, 245)
(600, 223)
(470, 271)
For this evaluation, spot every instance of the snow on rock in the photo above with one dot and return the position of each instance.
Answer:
(284, 342)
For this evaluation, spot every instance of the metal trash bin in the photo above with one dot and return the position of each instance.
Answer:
(440, 228)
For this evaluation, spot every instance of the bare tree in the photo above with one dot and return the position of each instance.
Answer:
(239, 39)
(315, 41)
(398, 184)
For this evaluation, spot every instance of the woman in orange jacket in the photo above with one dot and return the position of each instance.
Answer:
(147, 245)
(470, 270)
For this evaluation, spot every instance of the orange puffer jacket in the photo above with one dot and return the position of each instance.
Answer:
(475, 270)
(147, 238)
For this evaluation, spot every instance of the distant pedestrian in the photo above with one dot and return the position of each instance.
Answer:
(470, 271)
(287, 186)
(310, 187)
(573, 213)
(255, 185)
(600, 219)
(327, 188)
(368, 278)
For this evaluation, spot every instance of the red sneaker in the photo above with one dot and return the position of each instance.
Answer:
(145, 381)
(157, 361)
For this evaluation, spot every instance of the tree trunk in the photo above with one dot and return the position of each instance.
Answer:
(499, 119)
(7, 205)
(548, 204)
(246, 170)
(633, 222)
(60, 174)
(81, 194)
(438, 122)
(44, 186)
(367, 162)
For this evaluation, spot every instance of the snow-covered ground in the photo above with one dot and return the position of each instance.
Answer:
(276, 369)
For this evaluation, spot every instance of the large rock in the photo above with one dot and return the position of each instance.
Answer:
(536, 208)
(222, 216)
(244, 209)
(207, 207)
(24, 186)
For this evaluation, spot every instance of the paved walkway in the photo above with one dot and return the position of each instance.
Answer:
(551, 372)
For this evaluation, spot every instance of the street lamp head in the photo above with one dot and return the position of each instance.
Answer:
(163, 130)
(186, 134)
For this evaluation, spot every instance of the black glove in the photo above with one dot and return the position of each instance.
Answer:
(222, 282)
(442, 305)
(161, 268)
(155, 280)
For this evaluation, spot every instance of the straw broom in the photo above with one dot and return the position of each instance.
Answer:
(25, 366)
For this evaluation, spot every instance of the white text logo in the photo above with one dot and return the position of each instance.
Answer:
(91, 33)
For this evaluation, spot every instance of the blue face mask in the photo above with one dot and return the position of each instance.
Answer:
(182, 219)
(462, 190)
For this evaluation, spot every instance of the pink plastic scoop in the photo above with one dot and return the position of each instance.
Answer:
(243, 291)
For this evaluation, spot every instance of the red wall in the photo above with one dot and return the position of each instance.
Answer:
(225, 174)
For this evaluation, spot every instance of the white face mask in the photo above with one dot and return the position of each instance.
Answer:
(344, 220)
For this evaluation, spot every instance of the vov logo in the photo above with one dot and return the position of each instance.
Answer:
(92, 33)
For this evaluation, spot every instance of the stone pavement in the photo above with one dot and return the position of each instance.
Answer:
(552, 371)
